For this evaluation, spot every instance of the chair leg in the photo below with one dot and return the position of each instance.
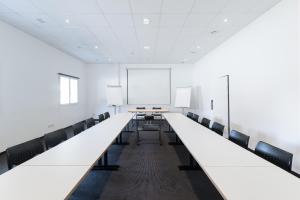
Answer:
(138, 138)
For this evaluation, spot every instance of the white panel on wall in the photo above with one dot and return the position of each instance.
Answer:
(183, 97)
(114, 95)
(149, 86)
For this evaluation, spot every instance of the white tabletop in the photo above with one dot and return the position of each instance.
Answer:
(209, 148)
(40, 182)
(237, 173)
(148, 110)
(254, 183)
(86, 147)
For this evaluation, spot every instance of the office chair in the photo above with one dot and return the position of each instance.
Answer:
(239, 138)
(106, 115)
(218, 128)
(157, 114)
(54, 138)
(205, 122)
(20, 153)
(101, 118)
(140, 115)
(190, 115)
(195, 118)
(90, 122)
(277, 156)
(78, 127)
(148, 126)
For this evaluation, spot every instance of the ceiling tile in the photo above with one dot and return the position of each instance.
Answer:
(24, 6)
(177, 6)
(211, 6)
(92, 20)
(120, 20)
(115, 6)
(200, 21)
(172, 20)
(146, 6)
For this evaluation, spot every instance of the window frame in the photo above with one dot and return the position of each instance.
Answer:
(69, 77)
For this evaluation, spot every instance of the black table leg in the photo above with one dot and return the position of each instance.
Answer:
(105, 165)
(119, 140)
(192, 165)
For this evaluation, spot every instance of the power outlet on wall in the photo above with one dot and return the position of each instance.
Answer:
(50, 125)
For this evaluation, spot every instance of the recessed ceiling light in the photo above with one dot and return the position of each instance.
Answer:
(67, 21)
(146, 47)
(146, 21)
(96, 47)
(198, 47)
(225, 20)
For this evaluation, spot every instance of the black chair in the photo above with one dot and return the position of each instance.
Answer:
(277, 156)
(239, 138)
(157, 114)
(20, 153)
(101, 118)
(149, 126)
(106, 115)
(195, 118)
(140, 115)
(218, 128)
(90, 122)
(54, 138)
(189, 115)
(205, 122)
(78, 127)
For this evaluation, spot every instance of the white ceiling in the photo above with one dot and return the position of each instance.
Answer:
(116, 26)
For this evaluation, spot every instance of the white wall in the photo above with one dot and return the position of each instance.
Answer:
(263, 63)
(101, 75)
(29, 88)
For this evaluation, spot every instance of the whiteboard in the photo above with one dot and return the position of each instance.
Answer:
(148, 86)
(183, 97)
(114, 95)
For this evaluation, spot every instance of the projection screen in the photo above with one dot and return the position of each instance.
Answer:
(148, 86)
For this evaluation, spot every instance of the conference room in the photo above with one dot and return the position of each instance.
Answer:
(149, 100)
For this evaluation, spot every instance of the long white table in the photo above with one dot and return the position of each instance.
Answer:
(86, 147)
(55, 173)
(238, 174)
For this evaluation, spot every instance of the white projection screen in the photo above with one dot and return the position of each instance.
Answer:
(148, 86)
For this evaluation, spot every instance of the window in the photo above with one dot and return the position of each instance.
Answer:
(68, 89)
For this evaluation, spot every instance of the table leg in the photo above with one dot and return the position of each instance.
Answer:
(192, 166)
(105, 165)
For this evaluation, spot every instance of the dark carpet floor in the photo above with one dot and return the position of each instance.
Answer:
(148, 172)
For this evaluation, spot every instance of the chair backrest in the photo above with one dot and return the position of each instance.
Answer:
(78, 127)
(156, 108)
(205, 122)
(106, 115)
(218, 128)
(189, 115)
(140, 108)
(101, 118)
(195, 117)
(274, 155)
(54, 138)
(20, 153)
(90, 122)
(149, 117)
(239, 138)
